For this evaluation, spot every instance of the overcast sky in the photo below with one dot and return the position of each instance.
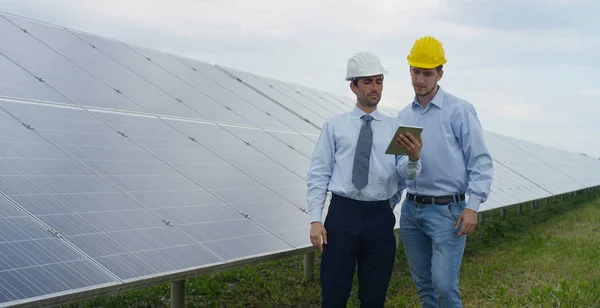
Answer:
(530, 67)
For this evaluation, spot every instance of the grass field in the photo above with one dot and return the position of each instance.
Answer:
(547, 257)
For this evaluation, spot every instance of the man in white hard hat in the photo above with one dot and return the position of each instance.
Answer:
(349, 160)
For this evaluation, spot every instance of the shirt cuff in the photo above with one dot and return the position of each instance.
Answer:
(316, 215)
(413, 169)
(473, 204)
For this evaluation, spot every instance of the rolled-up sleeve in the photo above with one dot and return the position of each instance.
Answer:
(406, 168)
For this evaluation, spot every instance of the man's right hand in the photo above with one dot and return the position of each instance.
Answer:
(318, 235)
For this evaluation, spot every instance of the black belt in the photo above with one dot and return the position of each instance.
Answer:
(435, 199)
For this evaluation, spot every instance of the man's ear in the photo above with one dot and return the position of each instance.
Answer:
(440, 75)
(353, 87)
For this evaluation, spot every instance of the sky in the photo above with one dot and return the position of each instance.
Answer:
(530, 67)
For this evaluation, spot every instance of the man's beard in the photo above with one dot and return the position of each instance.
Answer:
(421, 94)
(369, 103)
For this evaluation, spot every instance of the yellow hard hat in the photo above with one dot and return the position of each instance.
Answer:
(427, 52)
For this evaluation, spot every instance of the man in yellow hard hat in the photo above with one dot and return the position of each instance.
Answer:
(436, 216)
(349, 160)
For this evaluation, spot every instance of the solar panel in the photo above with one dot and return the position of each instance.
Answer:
(341, 104)
(312, 97)
(57, 72)
(343, 99)
(92, 59)
(270, 91)
(254, 161)
(285, 89)
(17, 83)
(548, 161)
(34, 263)
(89, 211)
(219, 93)
(582, 169)
(209, 78)
(304, 144)
(222, 165)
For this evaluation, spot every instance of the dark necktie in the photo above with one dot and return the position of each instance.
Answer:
(360, 171)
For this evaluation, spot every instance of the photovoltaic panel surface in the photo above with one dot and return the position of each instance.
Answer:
(343, 105)
(535, 178)
(310, 97)
(346, 102)
(282, 87)
(17, 83)
(580, 168)
(94, 60)
(228, 100)
(36, 264)
(217, 209)
(89, 211)
(212, 75)
(254, 164)
(56, 71)
(313, 137)
(291, 103)
(301, 143)
(554, 168)
(585, 169)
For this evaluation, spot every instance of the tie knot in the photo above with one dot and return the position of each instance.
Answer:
(367, 118)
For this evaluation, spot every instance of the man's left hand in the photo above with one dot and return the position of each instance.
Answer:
(411, 145)
(469, 220)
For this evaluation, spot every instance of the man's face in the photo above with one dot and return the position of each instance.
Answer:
(368, 90)
(424, 81)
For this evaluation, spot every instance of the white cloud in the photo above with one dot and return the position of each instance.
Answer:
(590, 92)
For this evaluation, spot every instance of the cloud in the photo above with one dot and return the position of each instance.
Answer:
(511, 14)
(590, 92)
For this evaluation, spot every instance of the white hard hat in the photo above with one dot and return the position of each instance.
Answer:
(364, 64)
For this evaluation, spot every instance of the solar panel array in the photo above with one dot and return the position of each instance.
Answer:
(120, 164)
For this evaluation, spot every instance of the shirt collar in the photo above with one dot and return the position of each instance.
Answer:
(357, 113)
(438, 99)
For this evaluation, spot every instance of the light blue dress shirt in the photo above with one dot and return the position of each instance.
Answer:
(454, 156)
(333, 159)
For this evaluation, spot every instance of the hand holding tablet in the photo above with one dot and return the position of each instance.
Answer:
(406, 141)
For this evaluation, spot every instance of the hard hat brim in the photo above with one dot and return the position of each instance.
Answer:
(425, 65)
(348, 78)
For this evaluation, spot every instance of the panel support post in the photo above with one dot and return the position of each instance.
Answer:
(532, 205)
(480, 219)
(309, 266)
(520, 208)
(398, 241)
(502, 213)
(178, 294)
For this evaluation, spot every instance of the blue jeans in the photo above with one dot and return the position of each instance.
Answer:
(434, 254)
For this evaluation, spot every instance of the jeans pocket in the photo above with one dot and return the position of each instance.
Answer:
(456, 209)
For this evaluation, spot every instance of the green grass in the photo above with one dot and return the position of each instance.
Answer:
(548, 257)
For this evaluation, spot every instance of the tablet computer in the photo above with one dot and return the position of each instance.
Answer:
(395, 149)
